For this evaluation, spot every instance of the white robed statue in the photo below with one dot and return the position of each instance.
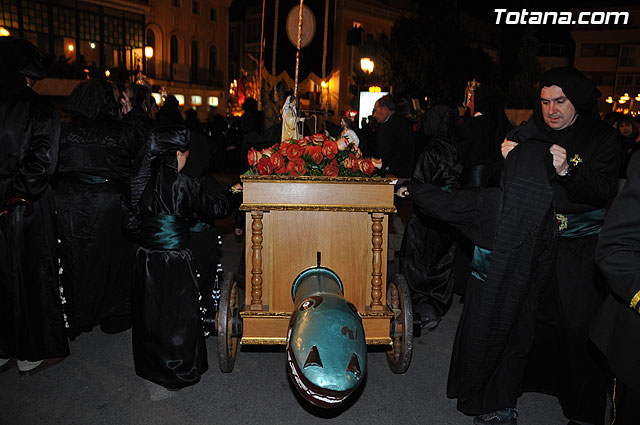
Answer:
(289, 120)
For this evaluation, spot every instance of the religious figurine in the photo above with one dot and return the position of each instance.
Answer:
(289, 120)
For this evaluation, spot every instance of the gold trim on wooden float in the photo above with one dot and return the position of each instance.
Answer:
(320, 179)
(388, 314)
(283, 341)
(378, 341)
(314, 207)
(262, 314)
(263, 341)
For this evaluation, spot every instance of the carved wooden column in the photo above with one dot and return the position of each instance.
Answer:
(256, 260)
(376, 274)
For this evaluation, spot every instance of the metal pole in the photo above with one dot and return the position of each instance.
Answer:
(295, 87)
(260, 62)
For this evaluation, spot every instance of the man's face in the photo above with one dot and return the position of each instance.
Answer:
(558, 112)
(380, 113)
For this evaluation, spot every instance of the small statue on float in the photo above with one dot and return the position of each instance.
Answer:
(289, 120)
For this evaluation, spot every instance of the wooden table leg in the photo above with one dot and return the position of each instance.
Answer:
(376, 274)
(256, 260)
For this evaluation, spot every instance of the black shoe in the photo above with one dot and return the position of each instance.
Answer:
(500, 417)
(429, 319)
(429, 323)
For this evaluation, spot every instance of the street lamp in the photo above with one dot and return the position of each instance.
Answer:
(367, 65)
(148, 52)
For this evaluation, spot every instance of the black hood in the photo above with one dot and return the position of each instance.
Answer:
(92, 98)
(582, 92)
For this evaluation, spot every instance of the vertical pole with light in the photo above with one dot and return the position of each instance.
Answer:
(260, 62)
(295, 84)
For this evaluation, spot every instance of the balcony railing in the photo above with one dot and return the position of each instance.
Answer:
(185, 74)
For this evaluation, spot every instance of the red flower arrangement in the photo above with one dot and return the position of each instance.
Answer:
(316, 155)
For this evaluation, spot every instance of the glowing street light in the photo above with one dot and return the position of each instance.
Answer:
(367, 65)
(609, 99)
(4, 32)
(148, 52)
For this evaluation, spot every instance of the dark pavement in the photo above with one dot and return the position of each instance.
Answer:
(97, 385)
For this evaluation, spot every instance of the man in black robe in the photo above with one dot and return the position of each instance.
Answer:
(587, 158)
(616, 328)
(31, 320)
(515, 229)
(516, 299)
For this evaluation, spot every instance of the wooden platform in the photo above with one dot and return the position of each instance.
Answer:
(292, 219)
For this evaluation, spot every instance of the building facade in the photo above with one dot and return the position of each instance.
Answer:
(610, 56)
(180, 46)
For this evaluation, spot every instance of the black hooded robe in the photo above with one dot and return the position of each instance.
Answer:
(31, 318)
(96, 155)
(616, 327)
(495, 331)
(168, 339)
(564, 362)
(429, 245)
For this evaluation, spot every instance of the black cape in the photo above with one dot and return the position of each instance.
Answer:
(96, 157)
(429, 245)
(31, 318)
(517, 224)
(616, 328)
(168, 339)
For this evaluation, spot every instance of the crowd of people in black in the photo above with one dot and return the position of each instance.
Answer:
(104, 223)
(107, 219)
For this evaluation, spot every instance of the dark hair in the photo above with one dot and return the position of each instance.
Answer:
(93, 98)
(140, 97)
(387, 101)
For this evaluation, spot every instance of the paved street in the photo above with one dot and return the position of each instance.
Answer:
(97, 385)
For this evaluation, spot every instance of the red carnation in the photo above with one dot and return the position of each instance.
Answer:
(253, 157)
(330, 149)
(296, 167)
(315, 153)
(351, 163)
(294, 151)
(366, 166)
(265, 167)
(319, 138)
(330, 171)
(304, 141)
(277, 160)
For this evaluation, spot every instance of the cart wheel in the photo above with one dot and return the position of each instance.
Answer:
(229, 323)
(399, 302)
